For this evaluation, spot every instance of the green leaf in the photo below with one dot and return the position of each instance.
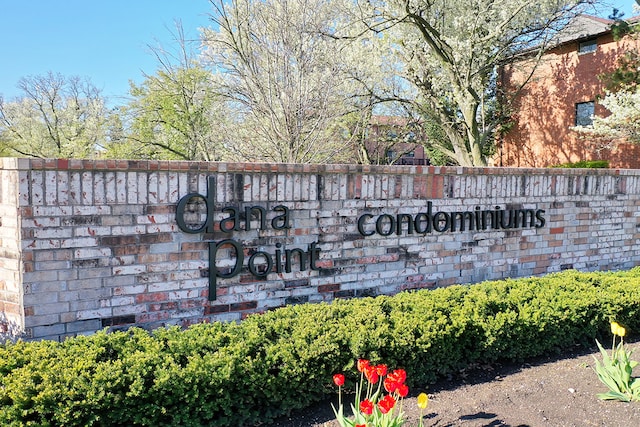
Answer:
(605, 356)
(612, 395)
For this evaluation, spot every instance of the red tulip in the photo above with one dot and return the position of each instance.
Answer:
(381, 370)
(386, 404)
(390, 384)
(366, 407)
(362, 364)
(399, 375)
(371, 374)
(338, 379)
(403, 390)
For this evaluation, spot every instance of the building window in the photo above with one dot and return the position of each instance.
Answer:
(410, 137)
(584, 113)
(587, 46)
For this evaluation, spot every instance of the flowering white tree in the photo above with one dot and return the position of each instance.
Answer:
(622, 99)
(450, 52)
(295, 86)
(624, 121)
(57, 116)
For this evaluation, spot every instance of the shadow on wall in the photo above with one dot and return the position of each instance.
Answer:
(545, 112)
(10, 330)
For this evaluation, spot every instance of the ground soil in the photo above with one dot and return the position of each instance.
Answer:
(548, 391)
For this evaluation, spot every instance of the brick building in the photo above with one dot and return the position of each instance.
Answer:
(562, 93)
(395, 140)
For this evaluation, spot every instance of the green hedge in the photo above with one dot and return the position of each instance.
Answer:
(227, 374)
(589, 164)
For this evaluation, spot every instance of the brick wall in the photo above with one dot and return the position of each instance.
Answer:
(99, 244)
(11, 316)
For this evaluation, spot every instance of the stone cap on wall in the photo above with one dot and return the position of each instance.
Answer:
(12, 163)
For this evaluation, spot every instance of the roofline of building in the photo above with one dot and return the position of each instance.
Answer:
(609, 22)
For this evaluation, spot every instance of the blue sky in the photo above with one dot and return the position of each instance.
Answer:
(104, 40)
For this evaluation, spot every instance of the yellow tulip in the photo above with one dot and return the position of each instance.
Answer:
(618, 330)
(423, 400)
(614, 328)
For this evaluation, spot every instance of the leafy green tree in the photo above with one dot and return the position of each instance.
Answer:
(174, 114)
(627, 74)
(117, 145)
(56, 116)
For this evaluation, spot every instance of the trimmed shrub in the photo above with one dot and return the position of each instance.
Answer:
(588, 164)
(228, 374)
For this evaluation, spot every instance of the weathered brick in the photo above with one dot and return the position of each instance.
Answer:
(152, 317)
(245, 305)
(84, 326)
(163, 306)
(116, 244)
(130, 250)
(333, 287)
(95, 313)
(215, 309)
(156, 238)
(49, 331)
(152, 297)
